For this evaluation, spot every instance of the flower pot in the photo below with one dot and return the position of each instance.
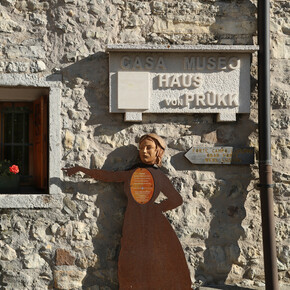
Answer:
(9, 183)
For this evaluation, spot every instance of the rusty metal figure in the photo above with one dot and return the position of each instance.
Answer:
(151, 257)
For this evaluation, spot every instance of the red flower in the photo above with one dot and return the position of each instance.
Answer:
(14, 169)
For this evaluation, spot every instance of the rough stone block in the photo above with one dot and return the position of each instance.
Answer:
(68, 278)
(18, 51)
(68, 139)
(33, 261)
(210, 138)
(17, 67)
(7, 253)
(64, 257)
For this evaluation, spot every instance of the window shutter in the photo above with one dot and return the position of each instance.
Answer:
(40, 143)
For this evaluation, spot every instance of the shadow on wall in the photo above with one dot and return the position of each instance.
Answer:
(93, 69)
(221, 246)
(227, 195)
(92, 74)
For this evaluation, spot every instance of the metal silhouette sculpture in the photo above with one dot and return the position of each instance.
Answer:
(151, 256)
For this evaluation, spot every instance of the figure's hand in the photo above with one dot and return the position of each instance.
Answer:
(71, 171)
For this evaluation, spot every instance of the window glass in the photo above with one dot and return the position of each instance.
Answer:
(7, 127)
(16, 136)
(19, 128)
(23, 141)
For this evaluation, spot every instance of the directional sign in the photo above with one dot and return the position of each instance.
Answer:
(220, 155)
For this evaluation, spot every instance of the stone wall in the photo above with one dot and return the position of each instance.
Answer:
(76, 246)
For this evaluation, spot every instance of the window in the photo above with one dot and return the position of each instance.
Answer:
(24, 137)
(24, 91)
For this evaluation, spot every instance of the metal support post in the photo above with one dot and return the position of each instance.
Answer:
(265, 163)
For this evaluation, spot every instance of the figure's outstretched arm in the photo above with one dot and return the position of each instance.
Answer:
(174, 199)
(98, 174)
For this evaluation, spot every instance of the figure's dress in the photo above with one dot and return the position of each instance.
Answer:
(151, 256)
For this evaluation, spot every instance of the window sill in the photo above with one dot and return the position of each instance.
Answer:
(24, 190)
(31, 200)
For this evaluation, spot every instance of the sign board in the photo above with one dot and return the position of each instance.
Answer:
(142, 185)
(220, 155)
(180, 79)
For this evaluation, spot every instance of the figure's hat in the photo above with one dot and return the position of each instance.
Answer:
(154, 136)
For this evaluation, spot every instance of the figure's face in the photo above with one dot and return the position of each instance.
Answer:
(148, 152)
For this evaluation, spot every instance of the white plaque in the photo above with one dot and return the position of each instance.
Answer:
(133, 90)
(180, 79)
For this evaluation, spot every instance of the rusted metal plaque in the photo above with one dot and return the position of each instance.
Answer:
(142, 185)
(220, 155)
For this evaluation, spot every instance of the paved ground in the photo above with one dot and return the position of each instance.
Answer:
(225, 287)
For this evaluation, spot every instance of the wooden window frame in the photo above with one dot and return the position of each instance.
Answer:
(38, 151)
